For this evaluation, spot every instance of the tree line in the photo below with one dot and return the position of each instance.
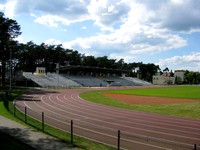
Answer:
(26, 57)
(190, 77)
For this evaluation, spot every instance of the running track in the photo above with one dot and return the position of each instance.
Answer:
(139, 130)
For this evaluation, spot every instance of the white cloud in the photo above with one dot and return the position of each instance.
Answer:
(175, 15)
(9, 8)
(132, 37)
(84, 27)
(49, 20)
(52, 42)
(185, 17)
(65, 30)
(107, 13)
(54, 13)
(1, 7)
(127, 58)
(128, 28)
(20, 39)
(187, 62)
(54, 20)
(177, 1)
(79, 43)
(127, 41)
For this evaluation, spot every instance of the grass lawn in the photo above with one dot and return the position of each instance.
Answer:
(189, 92)
(191, 110)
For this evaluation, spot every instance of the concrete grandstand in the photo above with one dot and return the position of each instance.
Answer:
(50, 80)
(84, 77)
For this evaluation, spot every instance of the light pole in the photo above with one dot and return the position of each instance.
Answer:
(10, 70)
(57, 70)
(58, 67)
(10, 86)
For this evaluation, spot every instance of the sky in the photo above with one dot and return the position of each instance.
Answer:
(163, 32)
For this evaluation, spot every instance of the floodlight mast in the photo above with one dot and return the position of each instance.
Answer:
(58, 67)
(57, 70)
(10, 71)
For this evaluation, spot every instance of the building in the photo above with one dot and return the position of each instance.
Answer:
(164, 79)
(180, 74)
(40, 71)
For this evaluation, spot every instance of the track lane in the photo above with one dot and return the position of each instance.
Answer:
(66, 105)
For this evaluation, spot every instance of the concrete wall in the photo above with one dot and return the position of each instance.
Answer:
(163, 80)
(180, 74)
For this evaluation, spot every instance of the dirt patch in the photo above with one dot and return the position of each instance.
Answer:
(133, 99)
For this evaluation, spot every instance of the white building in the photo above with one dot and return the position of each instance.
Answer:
(40, 71)
(164, 79)
(180, 73)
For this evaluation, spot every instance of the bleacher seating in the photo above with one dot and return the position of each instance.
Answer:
(51, 80)
(138, 81)
(88, 81)
(119, 81)
(62, 80)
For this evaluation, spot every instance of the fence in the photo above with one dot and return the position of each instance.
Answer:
(100, 134)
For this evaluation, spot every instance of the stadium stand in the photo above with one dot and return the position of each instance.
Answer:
(138, 81)
(119, 81)
(62, 80)
(51, 80)
(88, 81)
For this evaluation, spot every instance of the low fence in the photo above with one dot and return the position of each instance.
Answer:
(98, 133)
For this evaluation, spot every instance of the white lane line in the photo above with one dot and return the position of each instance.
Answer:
(119, 124)
(156, 121)
(170, 119)
(103, 114)
(79, 99)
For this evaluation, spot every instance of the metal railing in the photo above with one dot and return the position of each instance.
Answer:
(98, 133)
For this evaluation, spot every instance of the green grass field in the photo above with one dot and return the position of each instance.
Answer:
(190, 110)
(189, 92)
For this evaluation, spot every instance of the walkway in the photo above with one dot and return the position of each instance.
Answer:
(34, 138)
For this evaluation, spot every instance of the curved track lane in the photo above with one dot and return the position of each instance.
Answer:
(101, 123)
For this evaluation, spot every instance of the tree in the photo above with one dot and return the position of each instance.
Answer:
(75, 58)
(166, 69)
(120, 64)
(178, 80)
(192, 77)
(171, 73)
(89, 61)
(105, 62)
(147, 71)
(9, 29)
(102, 62)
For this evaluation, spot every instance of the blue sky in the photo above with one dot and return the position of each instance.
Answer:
(164, 32)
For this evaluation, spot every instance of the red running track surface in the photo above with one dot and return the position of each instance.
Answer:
(139, 130)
